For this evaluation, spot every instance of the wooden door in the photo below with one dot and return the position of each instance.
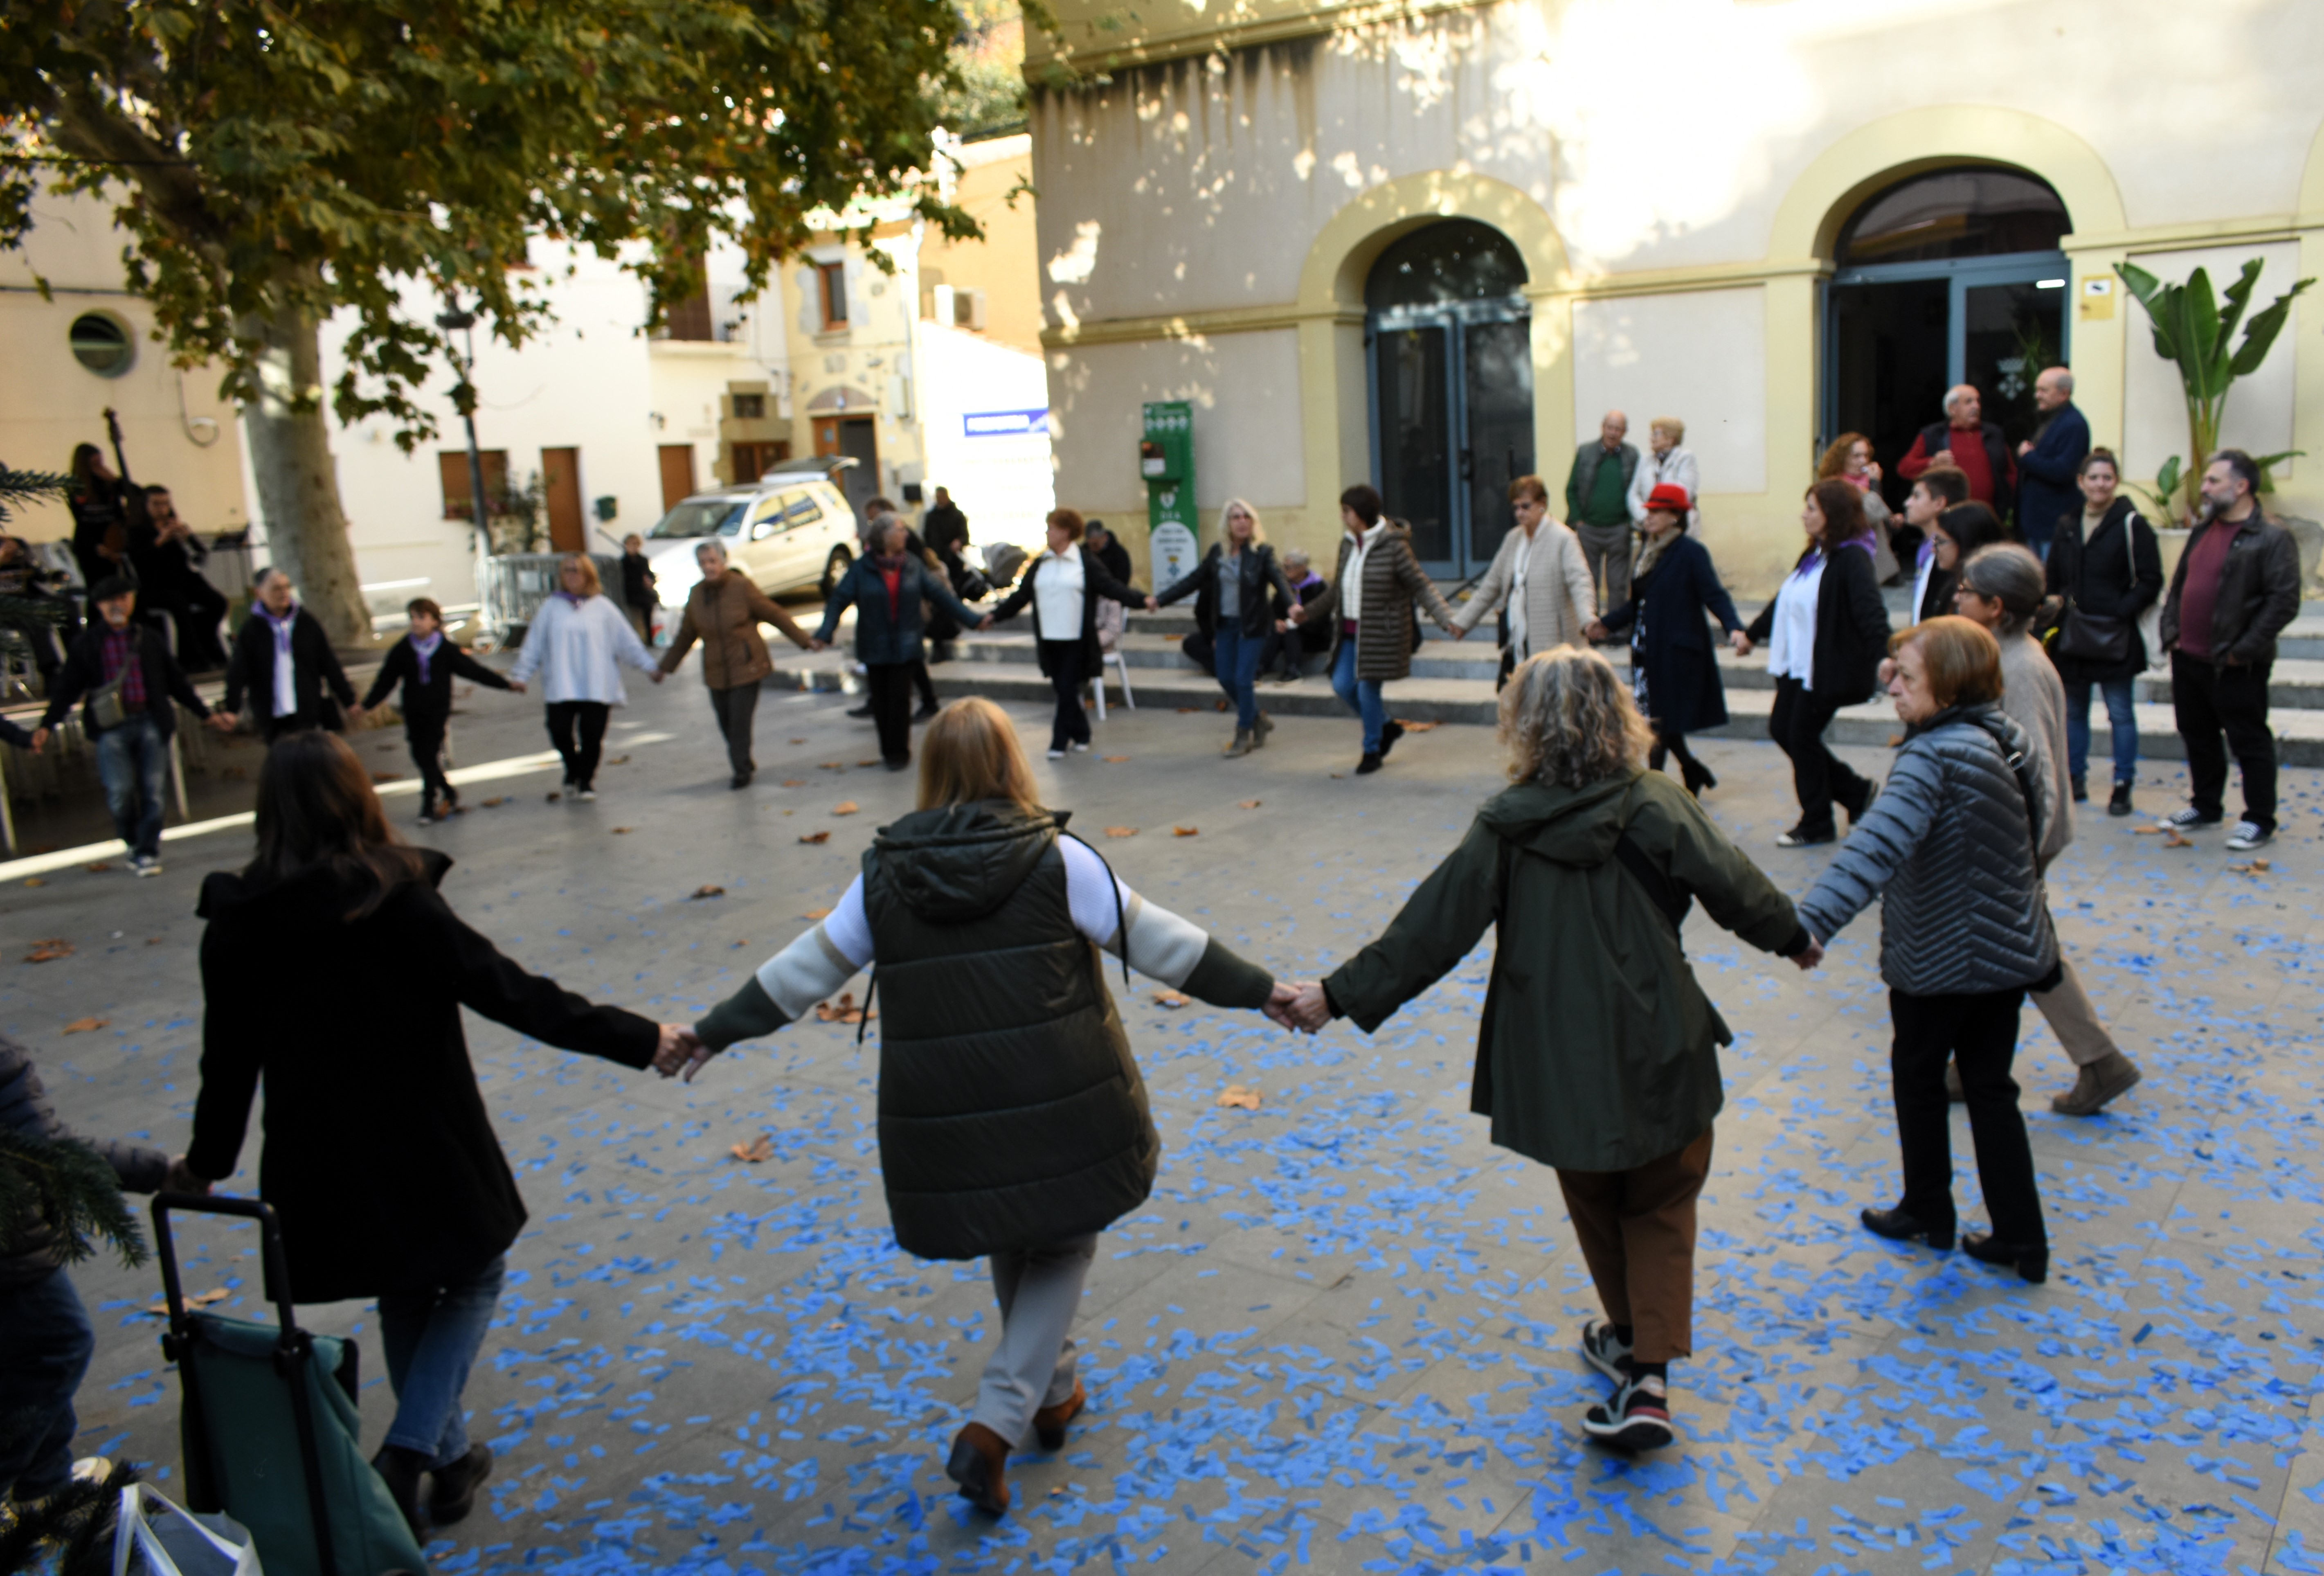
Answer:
(676, 475)
(561, 485)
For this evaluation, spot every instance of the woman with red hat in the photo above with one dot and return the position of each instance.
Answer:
(1673, 670)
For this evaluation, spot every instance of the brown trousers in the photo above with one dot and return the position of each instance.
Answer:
(1637, 1230)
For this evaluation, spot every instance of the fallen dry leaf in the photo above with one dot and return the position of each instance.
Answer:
(199, 1300)
(761, 1148)
(618, 761)
(1186, 831)
(843, 1010)
(1238, 1095)
(822, 836)
(742, 942)
(794, 782)
(1412, 727)
(385, 776)
(708, 892)
(1188, 711)
(495, 804)
(620, 831)
(2148, 831)
(1250, 804)
(799, 741)
(99, 867)
(835, 766)
(2259, 864)
(34, 881)
(86, 1025)
(1113, 759)
(844, 808)
(1170, 999)
(153, 941)
(2173, 840)
(873, 762)
(553, 798)
(816, 914)
(1121, 832)
(48, 952)
(233, 772)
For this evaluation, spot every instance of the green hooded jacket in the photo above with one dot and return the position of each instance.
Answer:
(1598, 1051)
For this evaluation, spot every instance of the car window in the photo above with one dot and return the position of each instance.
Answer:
(800, 509)
(700, 517)
(767, 517)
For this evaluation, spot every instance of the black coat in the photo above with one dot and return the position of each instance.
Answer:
(431, 702)
(2258, 593)
(251, 670)
(1851, 628)
(26, 1110)
(1265, 594)
(883, 639)
(1682, 670)
(1095, 582)
(1938, 438)
(378, 1155)
(2116, 573)
(1116, 559)
(84, 672)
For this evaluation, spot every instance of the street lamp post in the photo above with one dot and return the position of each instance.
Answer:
(466, 365)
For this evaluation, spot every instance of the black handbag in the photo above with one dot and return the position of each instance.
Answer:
(2098, 637)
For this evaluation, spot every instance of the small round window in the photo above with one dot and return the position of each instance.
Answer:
(102, 344)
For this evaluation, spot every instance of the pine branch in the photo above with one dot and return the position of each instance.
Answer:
(23, 487)
(66, 1187)
(69, 1533)
(27, 613)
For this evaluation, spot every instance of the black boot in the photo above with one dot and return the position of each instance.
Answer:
(400, 1470)
(456, 1488)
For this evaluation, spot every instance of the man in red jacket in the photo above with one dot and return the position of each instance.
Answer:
(1977, 446)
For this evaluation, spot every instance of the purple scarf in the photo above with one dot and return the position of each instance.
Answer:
(425, 649)
(576, 601)
(1815, 553)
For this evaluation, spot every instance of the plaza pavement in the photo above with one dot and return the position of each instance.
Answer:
(1341, 1336)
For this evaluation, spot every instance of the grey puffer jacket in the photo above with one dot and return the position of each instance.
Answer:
(24, 1108)
(1947, 847)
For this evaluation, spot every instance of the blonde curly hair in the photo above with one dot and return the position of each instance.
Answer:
(1567, 719)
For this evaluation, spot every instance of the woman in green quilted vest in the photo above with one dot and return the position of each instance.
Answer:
(1013, 1122)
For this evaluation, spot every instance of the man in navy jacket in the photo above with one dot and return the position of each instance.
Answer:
(2050, 461)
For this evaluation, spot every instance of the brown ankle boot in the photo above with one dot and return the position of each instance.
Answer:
(979, 1462)
(1049, 1422)
(2095, 1085)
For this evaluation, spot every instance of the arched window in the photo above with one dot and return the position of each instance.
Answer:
(1951, 214)
(1459, 260)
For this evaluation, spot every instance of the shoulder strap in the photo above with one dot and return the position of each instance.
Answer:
(1120, 919)
(2021, 768)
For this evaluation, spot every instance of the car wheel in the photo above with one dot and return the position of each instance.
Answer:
(834, 567)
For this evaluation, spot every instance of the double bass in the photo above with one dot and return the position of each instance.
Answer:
(117, 535)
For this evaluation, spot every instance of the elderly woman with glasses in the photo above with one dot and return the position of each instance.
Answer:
(1598, 1053)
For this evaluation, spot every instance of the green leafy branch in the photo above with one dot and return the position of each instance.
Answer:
(63, 1188)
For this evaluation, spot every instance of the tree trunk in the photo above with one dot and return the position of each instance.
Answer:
(298, 480)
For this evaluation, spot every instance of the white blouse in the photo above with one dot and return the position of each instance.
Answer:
(1058, 593)
(1791, 650)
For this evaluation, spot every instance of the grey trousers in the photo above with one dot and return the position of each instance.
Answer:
(1040, 1291)
(2073, 1018)
(1605, 548)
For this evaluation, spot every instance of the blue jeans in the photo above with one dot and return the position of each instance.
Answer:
(42, 1361)
(1362, 696)
(133, 760)
(1237, 666)
(2120, 718)
(432, 1339)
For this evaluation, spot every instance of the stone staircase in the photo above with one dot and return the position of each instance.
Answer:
(1452, 682)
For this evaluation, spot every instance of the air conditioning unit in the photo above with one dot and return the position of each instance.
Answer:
(968, 310)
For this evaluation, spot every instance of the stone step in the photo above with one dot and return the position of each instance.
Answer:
(2299, 730)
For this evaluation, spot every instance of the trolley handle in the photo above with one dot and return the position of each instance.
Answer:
(277, 1267)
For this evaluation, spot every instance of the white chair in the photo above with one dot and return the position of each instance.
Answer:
(1112, 620)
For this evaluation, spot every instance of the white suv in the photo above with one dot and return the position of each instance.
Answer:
(786, 532)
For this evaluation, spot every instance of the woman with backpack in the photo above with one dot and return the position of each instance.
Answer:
(1013, 1122)
(2106, 563)
(1598, 1053)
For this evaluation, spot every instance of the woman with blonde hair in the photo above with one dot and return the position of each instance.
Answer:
(1951, 849)
(1241, 588)
(1667, 464)
(1013, 1122)
(576, 641)
(1598, 1053)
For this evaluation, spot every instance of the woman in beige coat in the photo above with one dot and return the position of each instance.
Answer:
(1540, 576)
(723, 611)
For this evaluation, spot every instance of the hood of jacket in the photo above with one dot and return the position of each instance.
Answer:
(960, 863)
(322, 890)
(1570, 826)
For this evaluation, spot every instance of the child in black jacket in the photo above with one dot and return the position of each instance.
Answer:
(424, 662)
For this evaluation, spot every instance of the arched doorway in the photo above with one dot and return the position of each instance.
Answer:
(1952, 276)
(1451, 360)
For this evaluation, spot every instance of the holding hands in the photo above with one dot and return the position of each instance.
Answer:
(1741, 642)
(681, 1051)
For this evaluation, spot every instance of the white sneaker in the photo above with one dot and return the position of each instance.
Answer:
(586, 793)
(1081, 747)
(147, 866)
(2248, 835)
(1056, 755)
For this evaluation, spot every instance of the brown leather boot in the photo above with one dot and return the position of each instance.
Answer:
(979, 1459)
(1049, 1422)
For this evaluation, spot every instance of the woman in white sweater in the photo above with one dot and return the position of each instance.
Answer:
(1667, 461)
(1540, 575)
(575, 642)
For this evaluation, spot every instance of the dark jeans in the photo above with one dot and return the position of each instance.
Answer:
(2122, 721)
(432, 1339)
(2209, 700)
(197, 608)
(42, 1361)
(425, 737)
(132, 762)
(1819, 777)
(923, 685)
(1979, 1033)
(737, 711)
(1063, 661)
(1287, 651)
(589, 718)
(1237, 672)
(890, 683)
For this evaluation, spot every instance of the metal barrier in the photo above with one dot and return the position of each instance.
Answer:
(511, 587)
